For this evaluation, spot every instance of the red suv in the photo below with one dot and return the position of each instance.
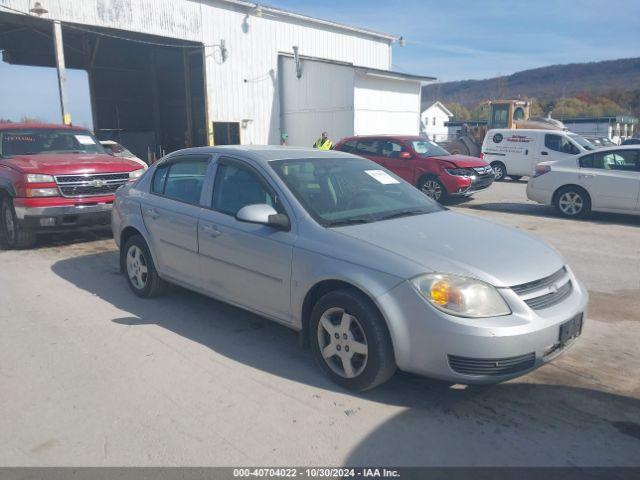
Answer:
(423, 163)
(55, 177)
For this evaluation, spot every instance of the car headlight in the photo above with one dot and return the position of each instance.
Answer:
(42, 192)
(39, 178)
(136, 174)
(461, 296)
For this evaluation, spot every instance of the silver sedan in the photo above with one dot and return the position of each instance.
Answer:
(373, 274)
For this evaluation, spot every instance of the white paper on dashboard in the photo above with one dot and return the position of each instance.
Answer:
(381, 176)
(85, 140)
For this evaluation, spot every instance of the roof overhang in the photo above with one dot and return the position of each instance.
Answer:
(279, 12)
(374, 72)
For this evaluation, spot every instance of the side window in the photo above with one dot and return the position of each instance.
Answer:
(236, 187)
(392, 149)
(624, 160)
(560, 143)
(348, 146)
(181, 180)
(587, 162)
(367, 147)
(159, 179)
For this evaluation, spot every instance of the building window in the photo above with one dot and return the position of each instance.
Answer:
(434, 120)
(226, 133)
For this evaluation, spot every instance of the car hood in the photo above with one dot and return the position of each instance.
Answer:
(463, 161)
(64, 164)
(450, 242)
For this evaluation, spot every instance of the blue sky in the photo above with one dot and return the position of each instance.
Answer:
(448, 39)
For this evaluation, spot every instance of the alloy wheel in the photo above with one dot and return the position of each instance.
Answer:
(432, 189)
(342, 342)
(137, 267)
(498, 172)
(571, 203)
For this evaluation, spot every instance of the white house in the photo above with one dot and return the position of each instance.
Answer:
(433, 121)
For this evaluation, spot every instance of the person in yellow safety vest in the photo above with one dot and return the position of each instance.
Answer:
(323, 143)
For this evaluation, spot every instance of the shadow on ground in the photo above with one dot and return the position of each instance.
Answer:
(525, 422)
(549, 212)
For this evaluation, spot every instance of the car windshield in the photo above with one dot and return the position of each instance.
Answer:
(583, 142)
(345, 191)
(34, 141)
(428, 148)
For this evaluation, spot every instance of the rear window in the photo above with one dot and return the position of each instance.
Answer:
(348, 146)
(367, 147)
(36, 141)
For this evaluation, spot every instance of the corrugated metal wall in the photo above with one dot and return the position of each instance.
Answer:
(385, 105)
(245, 86)
(321, 100)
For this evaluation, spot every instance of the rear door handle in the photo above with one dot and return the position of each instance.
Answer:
(212, 230)
(153, 213)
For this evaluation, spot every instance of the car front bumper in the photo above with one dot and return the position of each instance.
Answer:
(51, 218)
(466, 186)
(431, 343)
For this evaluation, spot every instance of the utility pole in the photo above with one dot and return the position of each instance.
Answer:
(62, 72)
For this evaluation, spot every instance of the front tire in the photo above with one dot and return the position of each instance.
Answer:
(499, 170)
(350, 340)
(572, 202)
(433, 188)
(12, 234)
(515, 178)
(138, 266)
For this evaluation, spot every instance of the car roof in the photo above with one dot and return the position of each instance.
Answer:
(25, 125)
(265, 153)
(386, 136)
(616, 147)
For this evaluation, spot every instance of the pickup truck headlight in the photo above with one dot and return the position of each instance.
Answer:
(39, 178)
(136, 174)
(461, 296)
(42, 192)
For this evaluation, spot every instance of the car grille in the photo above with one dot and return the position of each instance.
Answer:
(546, 292)
(90, 184)
(492, 366)
(484, 170)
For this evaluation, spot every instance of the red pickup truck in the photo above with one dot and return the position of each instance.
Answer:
(53, 178)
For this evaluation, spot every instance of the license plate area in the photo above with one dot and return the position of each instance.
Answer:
(570, 330)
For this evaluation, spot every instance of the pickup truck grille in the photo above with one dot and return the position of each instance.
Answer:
(90, 185)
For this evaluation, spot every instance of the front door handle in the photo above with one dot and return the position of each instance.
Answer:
(153, 213)
(211, 230)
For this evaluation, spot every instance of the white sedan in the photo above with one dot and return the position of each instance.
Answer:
(607, 180)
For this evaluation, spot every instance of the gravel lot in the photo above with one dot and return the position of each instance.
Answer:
(92, 375)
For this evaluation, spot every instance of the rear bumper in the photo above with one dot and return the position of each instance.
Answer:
(64, 217)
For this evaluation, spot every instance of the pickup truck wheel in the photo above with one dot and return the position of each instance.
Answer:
(499, 170)
(142, 276)
(12, 235)
(350, 340)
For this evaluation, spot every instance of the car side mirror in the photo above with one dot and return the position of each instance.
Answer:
(405, 155)
(263, 214)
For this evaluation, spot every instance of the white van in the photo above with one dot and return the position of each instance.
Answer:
(516, 152)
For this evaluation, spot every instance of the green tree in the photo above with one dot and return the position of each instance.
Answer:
(460, 112)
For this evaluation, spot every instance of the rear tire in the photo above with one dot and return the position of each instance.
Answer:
(138, 266)
(12, 234)
(515, 177)
(572, 202)
(499, 170)
(433, 188)
(350, 340)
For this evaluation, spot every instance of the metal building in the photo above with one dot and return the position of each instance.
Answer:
(165, 74)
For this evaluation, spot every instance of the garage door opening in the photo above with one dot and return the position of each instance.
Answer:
(146, 92)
